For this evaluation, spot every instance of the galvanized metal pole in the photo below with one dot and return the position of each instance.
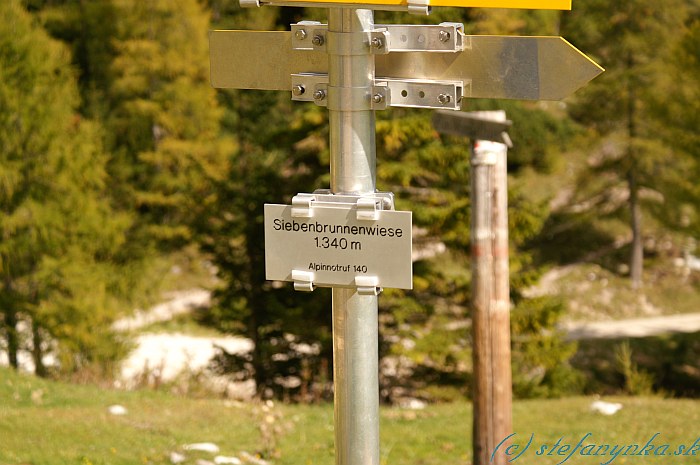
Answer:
(353, 170)
(492, 387)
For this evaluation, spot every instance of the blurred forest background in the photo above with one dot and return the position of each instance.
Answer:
(123, 175)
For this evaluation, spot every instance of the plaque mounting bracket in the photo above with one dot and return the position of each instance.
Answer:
(367, 206)
(367, 285)
(303, 280)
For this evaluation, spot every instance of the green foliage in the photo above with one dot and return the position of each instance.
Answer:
(637, 382)
(163, 116)
(280, 152)
(666, 364)
(143, 157)
(633, 40)
(676, 112)
(540, 355)
(60, 235)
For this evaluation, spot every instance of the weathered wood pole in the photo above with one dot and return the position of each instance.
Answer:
(492, 386)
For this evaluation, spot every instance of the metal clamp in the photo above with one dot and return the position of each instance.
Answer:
(303, 34)
(441, 38)
(386, 92)
(419, 93)
(367, 285)
(301, 205)
(383, 39)
(310, 87)
(419, 7)
(303, 280)
(368, 208)
(249, 3)
(309, 35)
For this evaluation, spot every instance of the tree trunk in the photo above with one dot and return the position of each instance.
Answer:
(637, 256)
(259, 365)
(12, 337)
(37, 352)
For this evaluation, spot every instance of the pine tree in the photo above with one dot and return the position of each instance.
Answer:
(164, 116)
(275, 161)
(59, 232)
(677, 112)
(631, 39)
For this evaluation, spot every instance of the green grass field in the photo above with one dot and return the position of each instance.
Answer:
(51, 423)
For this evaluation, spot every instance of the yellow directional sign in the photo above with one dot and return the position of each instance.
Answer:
(525, 4)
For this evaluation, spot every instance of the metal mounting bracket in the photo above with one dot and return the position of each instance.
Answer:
(303, 280)
(386, 38)
(441, 38)
(419, 7)
(418, 93)
(367, 285)
(368, 206)
(303, 34)
(301, 205)
(310, 87)
(387, 92)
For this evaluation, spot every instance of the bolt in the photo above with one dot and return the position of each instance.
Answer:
(298, 90)
(444, 36)
(320, 94)
(318, 40)
(377, 42)
(444, 99)
(300, 34)
(377, 98)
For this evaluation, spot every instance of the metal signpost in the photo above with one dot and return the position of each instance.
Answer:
(349, 237)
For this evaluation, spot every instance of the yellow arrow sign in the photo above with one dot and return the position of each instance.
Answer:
(524, 4)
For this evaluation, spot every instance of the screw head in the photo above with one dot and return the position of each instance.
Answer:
(320, 94)
(444, 99)
(318, 40)
(377, 42)
(298, 90)
(444, 36)
(377, 98)
(300, 34)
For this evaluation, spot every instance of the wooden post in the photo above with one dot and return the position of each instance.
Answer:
(492, 389)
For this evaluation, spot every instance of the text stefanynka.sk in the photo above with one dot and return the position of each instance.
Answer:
(602, 452)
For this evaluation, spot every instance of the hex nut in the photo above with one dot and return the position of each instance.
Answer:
(377, 42)
(444, 99)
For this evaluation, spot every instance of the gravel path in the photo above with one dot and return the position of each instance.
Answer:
(636, 327)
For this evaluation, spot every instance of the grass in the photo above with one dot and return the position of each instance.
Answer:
(52, 423)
